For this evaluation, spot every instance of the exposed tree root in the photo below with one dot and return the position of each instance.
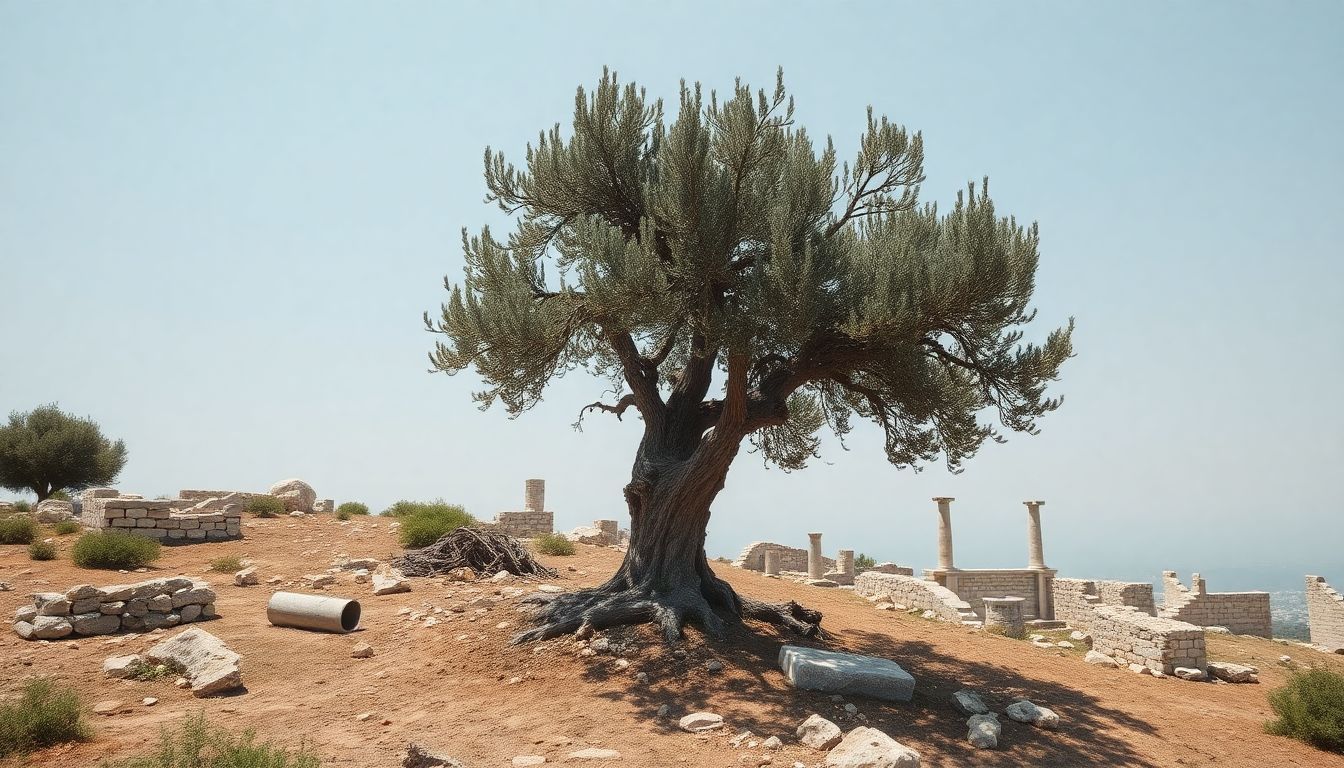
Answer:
(712, 607)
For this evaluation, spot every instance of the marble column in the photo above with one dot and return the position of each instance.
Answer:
(771, 562)
(816, 567)
(1035, 553)
(844, 563)
(945, 532)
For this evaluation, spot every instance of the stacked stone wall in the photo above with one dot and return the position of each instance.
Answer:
(973, 586)
(1076, 599)
(1160, 644)
(196, 496)
(903, 570)
(524, 525)
(159, 519)
(914, 593)
(790, 558)
(1325, 614)
(1243, 613)
(86, 610)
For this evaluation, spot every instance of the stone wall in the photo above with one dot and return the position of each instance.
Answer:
(790, 558)
(159, 519)
(973, 586)
(1075, 599)
(903, 570)
(1325, 614)
(1243, 613)
(914, 593)
(524, 525)
(196, 496)
(88, 610)
(1160, 644)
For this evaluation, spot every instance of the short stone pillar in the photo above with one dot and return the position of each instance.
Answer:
(1197, 584)
(1003, 616)
(945, 532)
(611, 529)
(844, 563)
(772, 562)
(816, 567)
(1035, 553)
(535, 497)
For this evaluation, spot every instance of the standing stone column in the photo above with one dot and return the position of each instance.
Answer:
(535, 496)
(1035, 553)
(945, 532)
(772, 562)
(1003, 616)
(844, 563)
(816, 567)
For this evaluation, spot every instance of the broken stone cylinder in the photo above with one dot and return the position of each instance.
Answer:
(1003, 616)
(317, 612)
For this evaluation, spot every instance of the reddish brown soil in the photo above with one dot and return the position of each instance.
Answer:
(449, 686)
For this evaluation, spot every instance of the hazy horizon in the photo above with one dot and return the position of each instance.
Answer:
(219, 227)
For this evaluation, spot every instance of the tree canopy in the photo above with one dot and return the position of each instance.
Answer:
(46, 451)
(659, 253)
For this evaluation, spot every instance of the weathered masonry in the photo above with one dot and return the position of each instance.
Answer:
(1140, 641)
(161, 519)
(140, 607)
(1032, 583)
(1075, 599)
(532, 520)
(1243, 613)
(790, 558)
(1325, 614)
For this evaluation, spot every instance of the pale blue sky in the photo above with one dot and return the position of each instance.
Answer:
(221, 222)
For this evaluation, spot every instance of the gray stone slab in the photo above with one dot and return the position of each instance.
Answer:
(813, 669)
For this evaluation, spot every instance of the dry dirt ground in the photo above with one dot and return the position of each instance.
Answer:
(460, 688)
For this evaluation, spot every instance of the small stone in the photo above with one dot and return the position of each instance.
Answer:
(182, 682)
(149, 701)
(664, 710)
(390, 584)
(550, 588)
(870, 748)
(594, 753)
(852, 709)
(1064, 644)
(1190, 673)
(621, 664)
(714, 665)
(1026, 712)
(109, 707)
(819, 733)
(968, 702)
(983, 731)
(1100, 659)
(697, 722)
(1285, 659)
(772, 743)
(1233, 673)
(246, 577)
(362, 716)
(361, 651)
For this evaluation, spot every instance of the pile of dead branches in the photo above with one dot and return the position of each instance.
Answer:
(485, 552)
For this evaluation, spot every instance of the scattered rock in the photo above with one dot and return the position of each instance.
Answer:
(246, 577)
(461, 574)
(296, 495)
(870, 748)
(549, 588)
(50, 627)
(362, 651)
(772, 743)
(122, 667)
(109, 707)
(714, 665)
(821, 583)
(1285, 659)
(664, 710)
(527, 760)
(700, 721)
(983, 731)
(1024, 711)
(390, 584)
(207, 663)
(419, 757)
(1078, 636)
(1217, 630)
(317, 581)
(817, 670)
(1189, 673)
(819, 733)
(1064, 644)
(1140, 669)
(968, 702)
(1100, 659)
(1233, 673)
(642, 678)
(594, 753)
(149, 701)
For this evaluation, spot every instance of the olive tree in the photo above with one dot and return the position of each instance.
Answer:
(48, 451)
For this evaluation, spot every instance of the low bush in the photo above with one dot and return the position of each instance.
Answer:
(194, 743)
(431, 520)
(342, 515)
(863, 563)
(553, 544)
(114, 550)
(228, 564)
(41, 550)
(18, 529)
(42, 716)
(353, 508)
(22, 507)
(67, 527)
(1310, 707)
(265, 506)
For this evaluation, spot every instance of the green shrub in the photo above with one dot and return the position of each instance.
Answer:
(229, 564)
(423, 526)
(342, 515)
(195, 744)
(40, 550)
(44, 715)
(114, 550)
(19, 529)
(1310, 707)
(67, 527)
(352, 508)
(60, 496)
(22, 507)
(553, 544)
(863, 563)
(265, 506)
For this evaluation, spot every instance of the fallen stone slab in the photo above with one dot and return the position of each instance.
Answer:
(1233, 673)
(819, 733)
(122, 667)
(209, 665)
(1024, 711)
(1190, 673)
(813, 669)
(594, 753)
(390, 584)
(1100, 659)
(870, 748)
(697, 722)
(968, 702)
(983, 731)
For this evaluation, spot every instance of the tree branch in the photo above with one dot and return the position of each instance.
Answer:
(619, 408)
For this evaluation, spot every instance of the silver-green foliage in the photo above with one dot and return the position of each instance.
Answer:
(661, 251)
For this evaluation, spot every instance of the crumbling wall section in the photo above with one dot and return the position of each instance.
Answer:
(1134, 638)
(524, 524)
(86, 610)
(1325, 614)
(1243, 613)
(790, 558)
(914, 593)
(159, 519)
(1076, 599)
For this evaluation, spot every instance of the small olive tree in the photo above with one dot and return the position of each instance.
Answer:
(736, 284)
(47, 451)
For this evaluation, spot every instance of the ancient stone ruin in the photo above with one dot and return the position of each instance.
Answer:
(789, 558)
(162, 519)
(140, 607)
(1325, 615)
(533, 520)
(1242, 613)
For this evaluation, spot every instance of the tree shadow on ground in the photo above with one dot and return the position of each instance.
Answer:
(752, 694)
